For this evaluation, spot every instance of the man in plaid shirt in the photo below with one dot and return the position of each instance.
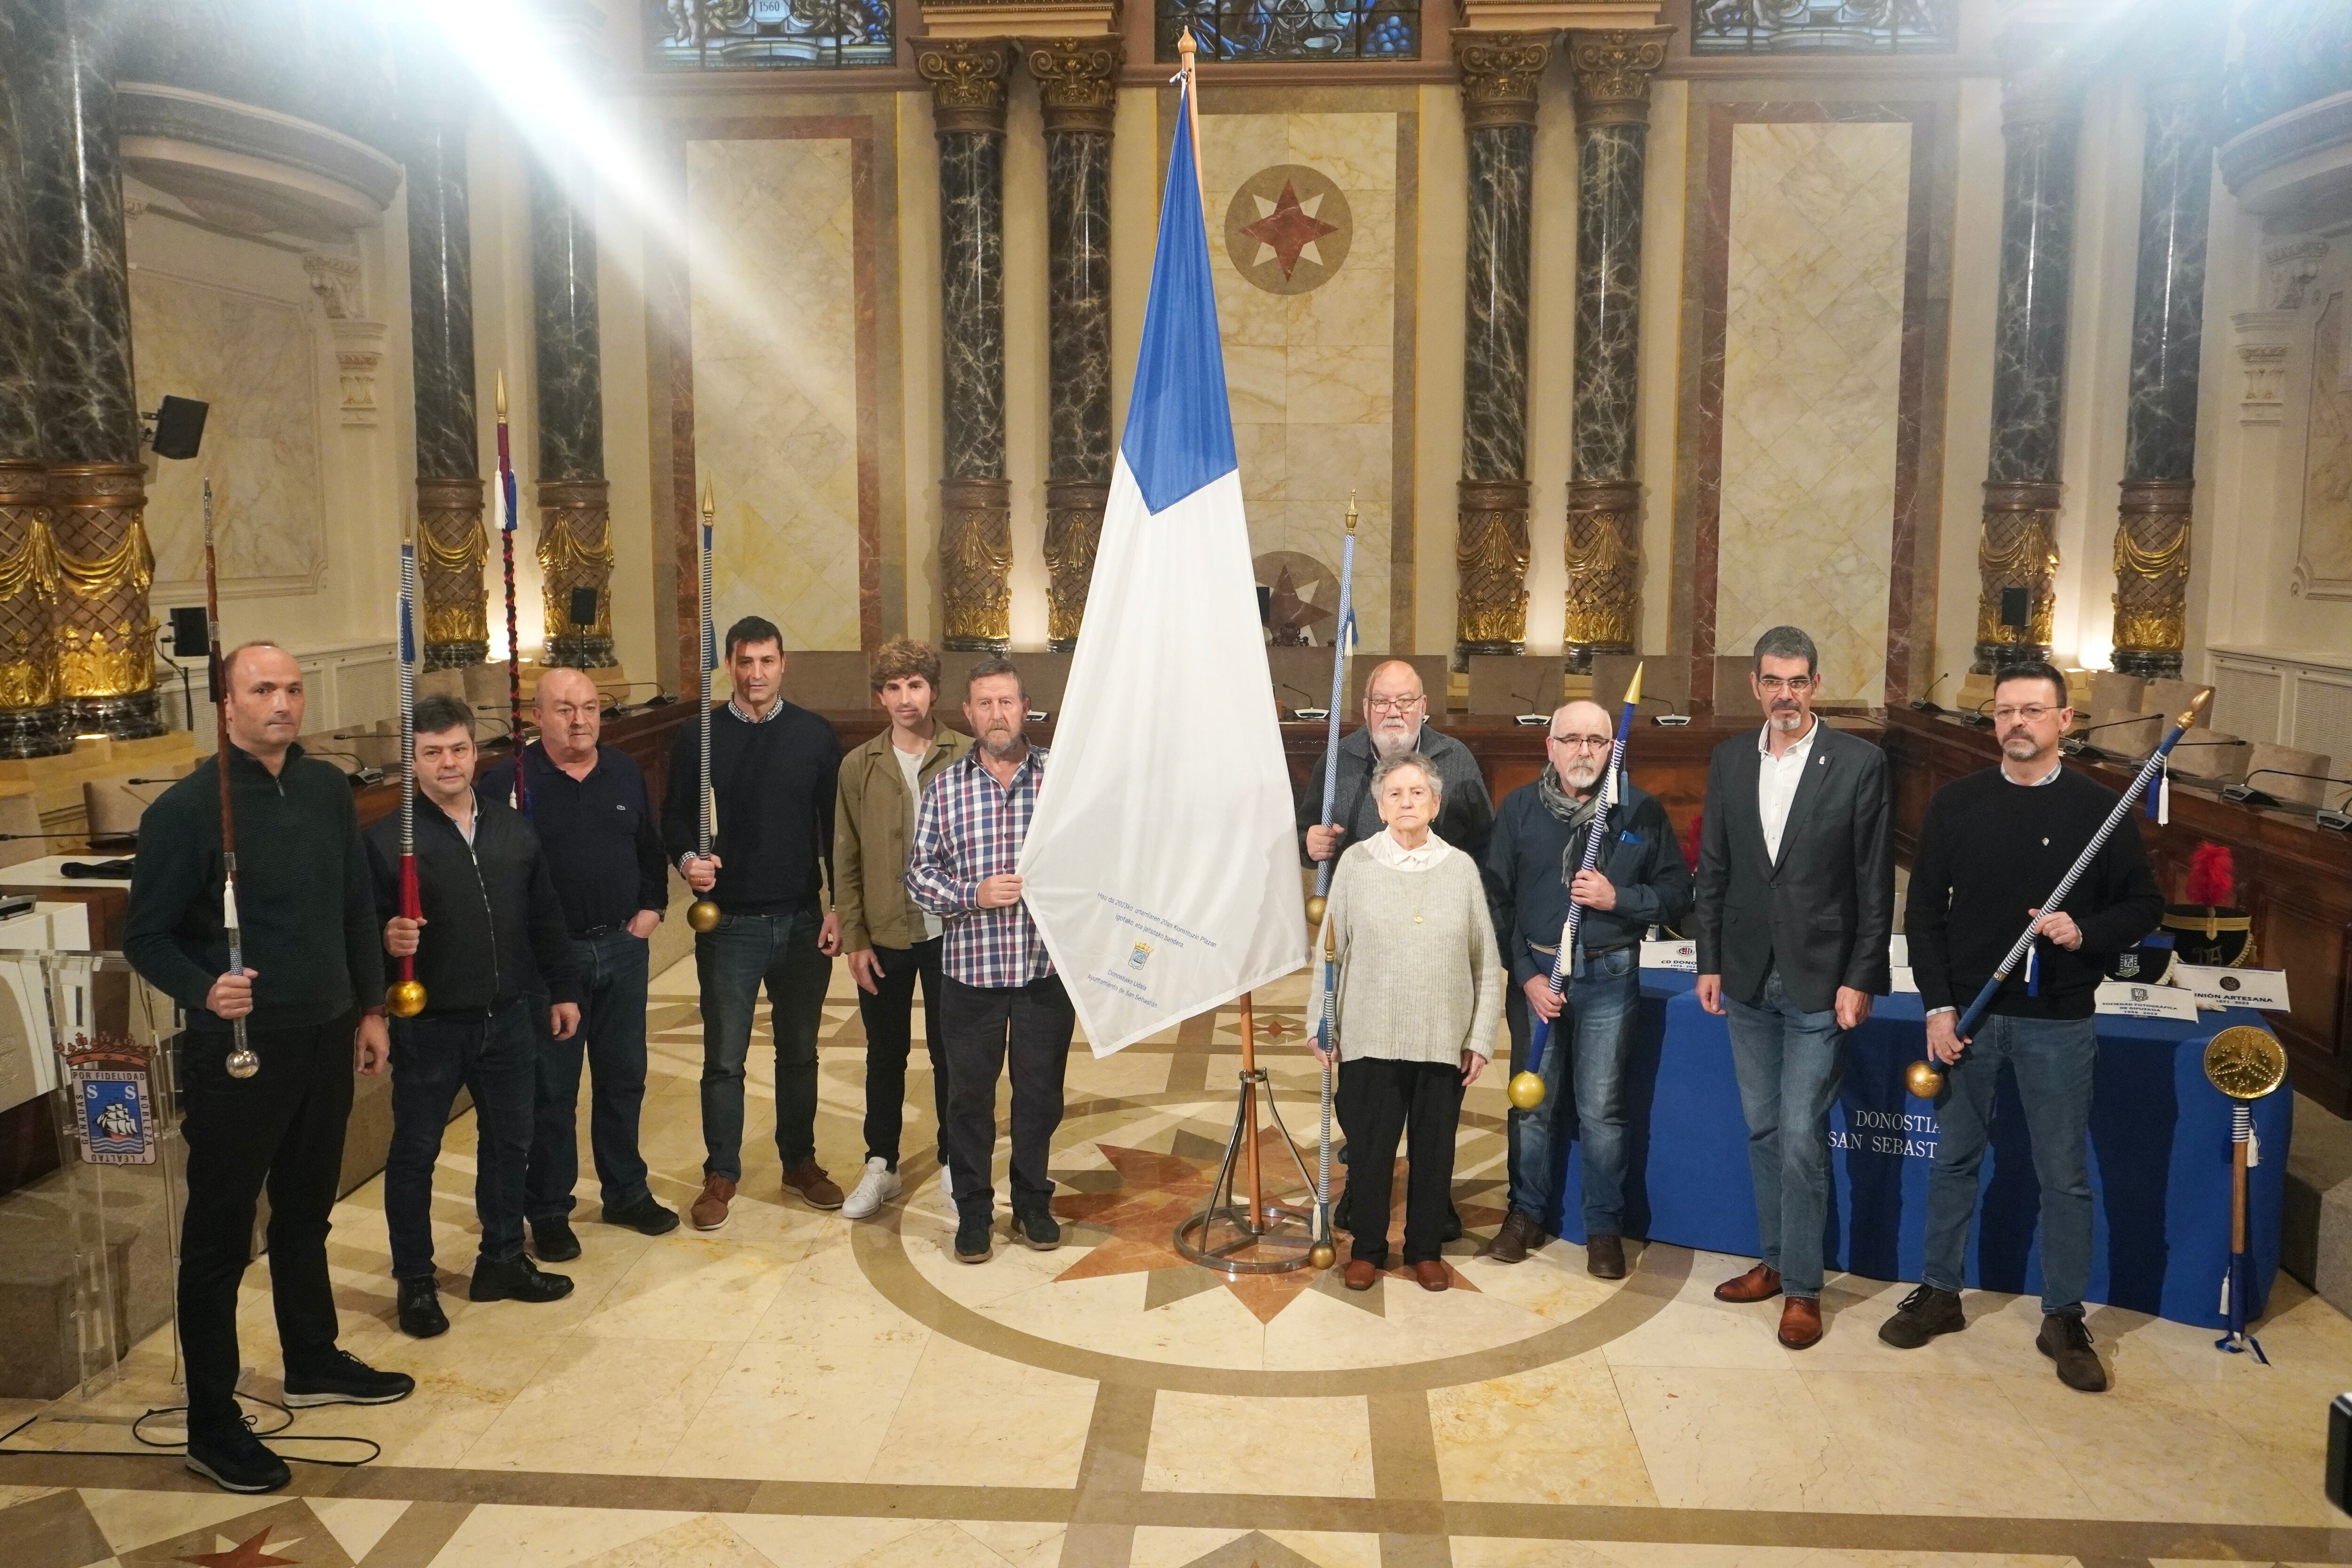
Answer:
(999, 998)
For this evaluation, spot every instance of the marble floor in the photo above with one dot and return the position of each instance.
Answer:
(800, 1390)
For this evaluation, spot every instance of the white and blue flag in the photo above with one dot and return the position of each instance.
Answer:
(1161, 867)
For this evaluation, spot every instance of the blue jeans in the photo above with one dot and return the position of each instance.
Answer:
(2055, 1060)
(611, 1040)
(733, 961)
(1589, 1042)
(493, 1056)
(1790, 1064)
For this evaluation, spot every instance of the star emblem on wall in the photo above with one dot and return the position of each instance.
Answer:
(1289, 229)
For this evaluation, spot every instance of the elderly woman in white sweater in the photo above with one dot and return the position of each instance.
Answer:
(1419, 992)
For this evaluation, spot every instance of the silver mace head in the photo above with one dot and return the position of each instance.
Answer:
(243, 1063)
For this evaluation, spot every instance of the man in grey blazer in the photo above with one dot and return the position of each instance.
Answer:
(1795, 901)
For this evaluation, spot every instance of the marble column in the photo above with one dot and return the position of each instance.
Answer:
(966, 78)
(1612, 72)
(575, 516)
(2160, 419)
(1500, 73)
(1077, 87)
(30, 722)
(452, 544)
(88, 407)
(2017, 552)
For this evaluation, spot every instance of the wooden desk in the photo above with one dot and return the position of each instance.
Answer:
(2294, 880)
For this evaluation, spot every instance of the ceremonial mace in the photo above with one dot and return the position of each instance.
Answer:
(1526, 1090)
(1921, 1077)
(703, 914)
(522, 799)
(1323, 1253)
(2244, 1063)
(407, 998)
(242, 1062)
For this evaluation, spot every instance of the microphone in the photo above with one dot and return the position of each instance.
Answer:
(1674, 718)
(618, 705)
(1921, 704)
(365, 775)
(1530, 718)
(2245, 793)
(1980, 719)
(1309, 709)
(2074, 746)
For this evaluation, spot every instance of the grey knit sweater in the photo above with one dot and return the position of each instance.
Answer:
(1420, 975)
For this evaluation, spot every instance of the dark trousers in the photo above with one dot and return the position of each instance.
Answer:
(281, 1128)
(495, 1057)
(1378, 1101)
(888, 1012)
(611, 1039)
(986, 1028)
(733, 962)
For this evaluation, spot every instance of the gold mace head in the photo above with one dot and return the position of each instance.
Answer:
(1633, 688)
(702, 915)
(1322, 1255)
(1316, 904)
(1923, 1081)
(2245, 1062)
(1351, 511)
(2197, 705)
(498, 397)
(709, 502)
(1526, 1090)
(406, 999)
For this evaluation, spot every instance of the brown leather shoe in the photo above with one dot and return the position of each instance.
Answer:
(1604, 1256)
(1430, 1275)
(1759, 1284)
(816, 1189)
(1801, 1322)
(1360, 1275)
(1518, 1236)
(709, 1211)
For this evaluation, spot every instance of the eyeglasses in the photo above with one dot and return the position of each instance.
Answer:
(1795, 685)
(2032, 713)
(1582, 743)
(1393, 704)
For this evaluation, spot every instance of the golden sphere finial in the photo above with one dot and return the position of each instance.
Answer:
(1923, 1081)
(702, 915)
(1526, 1090)
(406, 999)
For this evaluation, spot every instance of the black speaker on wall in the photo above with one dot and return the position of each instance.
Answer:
(584, 607)
(192, 633)
(179, 426)
(2016, 607)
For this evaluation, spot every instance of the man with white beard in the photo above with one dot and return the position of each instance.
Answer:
(1533, 873)
(1396, 724)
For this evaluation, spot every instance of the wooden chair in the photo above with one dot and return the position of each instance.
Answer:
(1515, 684)
(2112, 693)
(829, 680)
(2277, 764)
(112, 806)
(2209, 755)
(20, 813)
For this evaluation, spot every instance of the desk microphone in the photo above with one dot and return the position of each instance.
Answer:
(2246, 795)
(1530, 718)
(1978, 719)
(366, 773)
(1672, 719)
(1921, 704)
(2074, 746)
(1307, 708)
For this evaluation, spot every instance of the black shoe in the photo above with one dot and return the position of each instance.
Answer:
(1034, 1227)
(975, 1237)
(516, 1279)
(234, 1460)
(1340, 1220)
(421, 1315)
(645, 1216)
(1452, 1231)
(552, 1240)
(2065, 1339)
(342, 1378)
(1925, 1313)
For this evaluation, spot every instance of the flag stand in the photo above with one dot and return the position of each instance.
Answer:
(1278, 1237)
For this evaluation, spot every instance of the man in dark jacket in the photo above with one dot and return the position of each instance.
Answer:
(492, 935)
(311, 996)
(1534, 870)
(775, 770)
(1396, 724)
(1993, 846)
(1796, 900)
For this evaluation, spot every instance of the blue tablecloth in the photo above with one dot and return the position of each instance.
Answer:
(2159, 1158)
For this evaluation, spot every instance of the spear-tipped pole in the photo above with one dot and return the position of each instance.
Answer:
(520, 798)
(1186, 48)
(703, 915)
(242, 1062)
(1526, 1090)
(1922, 1078)
(1322, 1254)
(407, 998)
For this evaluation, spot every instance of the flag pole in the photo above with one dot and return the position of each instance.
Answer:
(519, 798)
(1186, 48)
(242, 1061)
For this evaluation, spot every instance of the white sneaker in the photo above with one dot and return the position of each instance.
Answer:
(877, 1186)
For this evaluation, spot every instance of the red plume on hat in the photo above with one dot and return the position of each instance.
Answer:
(2212, 875)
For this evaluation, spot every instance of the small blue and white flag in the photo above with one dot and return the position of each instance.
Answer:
(1161, 866)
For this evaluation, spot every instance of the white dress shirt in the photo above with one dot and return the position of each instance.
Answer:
(1776, 782)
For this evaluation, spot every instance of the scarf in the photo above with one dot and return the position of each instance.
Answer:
(1383, 847)
(1576, 815)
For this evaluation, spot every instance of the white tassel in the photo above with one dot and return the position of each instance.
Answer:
(2164, 798)
(2254, 1150)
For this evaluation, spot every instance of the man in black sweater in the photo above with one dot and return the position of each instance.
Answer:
(774, 769)
(1992, 847)
(311, 998)
(491, 941)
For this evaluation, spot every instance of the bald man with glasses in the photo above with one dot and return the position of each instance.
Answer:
(1396, 724)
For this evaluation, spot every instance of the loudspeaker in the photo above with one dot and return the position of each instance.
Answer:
(584, 607)
(179, 426)
(192, 632)
(2016, 607)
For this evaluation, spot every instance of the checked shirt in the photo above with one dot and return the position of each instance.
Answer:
(968, 828)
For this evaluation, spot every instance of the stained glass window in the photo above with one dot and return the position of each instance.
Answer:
(1294, 29)
(1821, 26)
(766, 35)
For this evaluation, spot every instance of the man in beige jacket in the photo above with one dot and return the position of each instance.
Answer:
(890, 941)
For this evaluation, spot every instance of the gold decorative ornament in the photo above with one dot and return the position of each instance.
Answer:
(1526, 1090)
(2018, 548)
(1923, 1079)
(406, 999)
(575, 552)
(1316, 906)
(976, 563)
(1074, 514)
(453, 546)
(702, 915)
(2151, 598)
(1500, 74)
(1490, 557)
(1612, 69)
(1077, 82)
(966, 78)
(29, 592)
(1604, 550)
(2245, 1062)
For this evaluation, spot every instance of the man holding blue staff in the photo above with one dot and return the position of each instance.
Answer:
(1993, 846)
(1796, 900)
(1533, 872)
